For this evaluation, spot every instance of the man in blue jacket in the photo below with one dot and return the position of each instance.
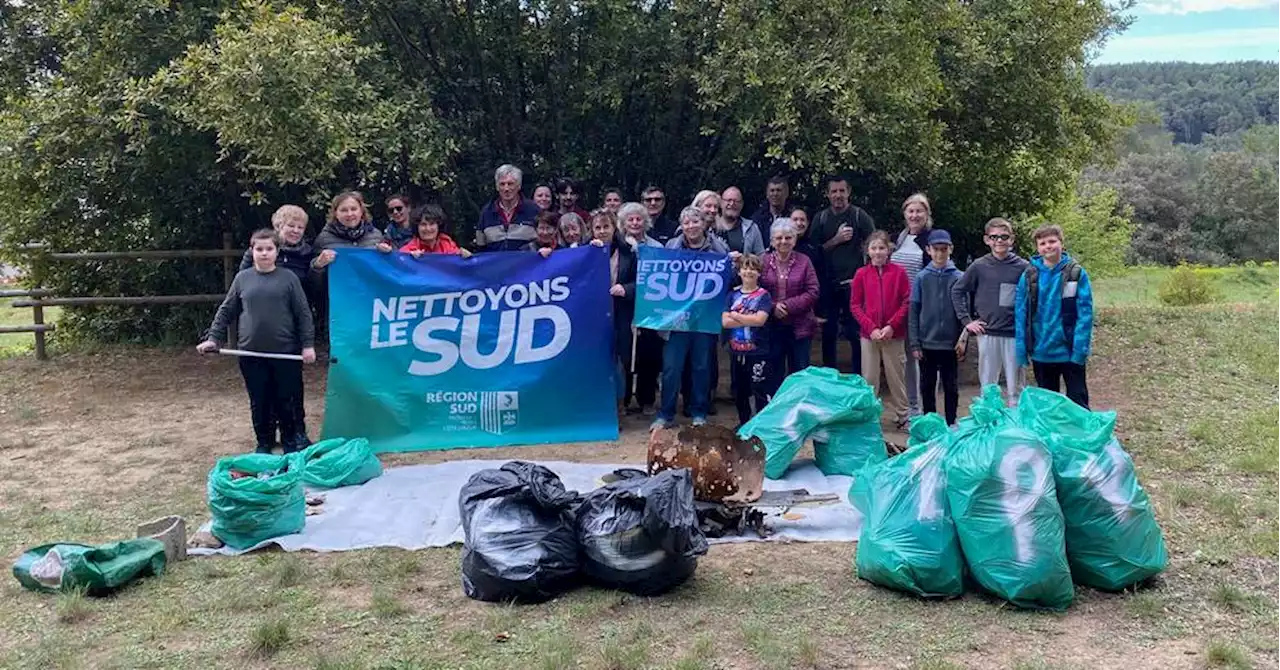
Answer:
(507, 223)
(1054, 317)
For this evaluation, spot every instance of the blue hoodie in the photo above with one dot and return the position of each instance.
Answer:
(1063, 323)
(932, 322)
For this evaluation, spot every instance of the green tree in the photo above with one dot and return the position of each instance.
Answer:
(1097, 230)
(162, 125)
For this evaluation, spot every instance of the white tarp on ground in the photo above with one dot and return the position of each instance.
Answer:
(416, 506)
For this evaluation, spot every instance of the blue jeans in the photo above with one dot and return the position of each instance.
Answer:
(698, 349)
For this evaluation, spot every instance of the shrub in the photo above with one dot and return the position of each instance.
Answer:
(1097, 228)
(1185, 286)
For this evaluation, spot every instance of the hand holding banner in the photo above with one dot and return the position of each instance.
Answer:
(681, 290)
(494, 350)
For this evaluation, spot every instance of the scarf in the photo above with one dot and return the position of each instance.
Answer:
(352, 235)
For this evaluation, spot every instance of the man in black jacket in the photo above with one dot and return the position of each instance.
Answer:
(841, 231)
(655, 201)
(777, 203)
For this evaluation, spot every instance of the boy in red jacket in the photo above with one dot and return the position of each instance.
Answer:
(879, 299)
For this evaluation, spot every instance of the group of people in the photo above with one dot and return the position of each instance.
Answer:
(899, 301)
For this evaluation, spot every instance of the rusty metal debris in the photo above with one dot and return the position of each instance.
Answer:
(725, 468)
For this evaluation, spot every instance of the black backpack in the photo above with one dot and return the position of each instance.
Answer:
(1069, 313)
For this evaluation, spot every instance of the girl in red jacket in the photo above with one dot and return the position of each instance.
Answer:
(878, 299)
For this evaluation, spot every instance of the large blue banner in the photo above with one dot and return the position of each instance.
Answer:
(498, 349)
(681, 290)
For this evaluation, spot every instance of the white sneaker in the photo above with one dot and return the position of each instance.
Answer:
(699, 421)
(659, 424)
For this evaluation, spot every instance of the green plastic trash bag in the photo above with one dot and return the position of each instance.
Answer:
(339, 462)
(908, 541)
(1113, 540)
(256, 497)
(845, 448)
(808, 400)
(1005, 506)
(98, 570)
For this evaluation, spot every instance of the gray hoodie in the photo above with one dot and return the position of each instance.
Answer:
(986, 292)
(932, 322)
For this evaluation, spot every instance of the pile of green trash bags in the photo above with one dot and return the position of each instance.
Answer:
(908, 540)
(1113, 540)
(1025, 503)
(839, 412)
(255, 497)
(339, 462)
(98, 571)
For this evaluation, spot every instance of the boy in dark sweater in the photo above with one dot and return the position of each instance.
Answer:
(273, 318)
(295, 255)
(984, 302)
(933, 327)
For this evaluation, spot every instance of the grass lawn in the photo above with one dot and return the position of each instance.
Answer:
(1141, 286)
(94, 444)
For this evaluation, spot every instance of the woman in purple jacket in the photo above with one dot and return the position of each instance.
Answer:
(791, 281)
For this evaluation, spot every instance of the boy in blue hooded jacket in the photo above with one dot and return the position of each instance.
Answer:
(933, 329)
(1053, 312)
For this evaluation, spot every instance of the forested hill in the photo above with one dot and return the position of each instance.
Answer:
(1195, 99)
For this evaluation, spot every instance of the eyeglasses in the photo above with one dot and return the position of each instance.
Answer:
(396, 210)
(1000, 238)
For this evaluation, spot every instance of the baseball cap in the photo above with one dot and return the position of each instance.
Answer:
(939, 237)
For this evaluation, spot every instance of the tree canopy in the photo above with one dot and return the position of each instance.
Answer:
(148, 123)
(1198, 170)
(1195, 99)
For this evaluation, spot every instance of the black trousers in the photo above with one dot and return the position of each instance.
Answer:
(275, 399)
(935, 364)
(1049, 374)
(752, 380)
(643, 386)
(840, 324)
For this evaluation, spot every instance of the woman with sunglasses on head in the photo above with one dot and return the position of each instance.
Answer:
(398, 230)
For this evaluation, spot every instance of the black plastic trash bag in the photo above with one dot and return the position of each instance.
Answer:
(641, 535)
(521, 543)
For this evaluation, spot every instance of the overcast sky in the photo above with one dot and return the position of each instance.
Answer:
(1198, 30)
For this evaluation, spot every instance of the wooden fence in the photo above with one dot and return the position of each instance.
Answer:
(39, 298)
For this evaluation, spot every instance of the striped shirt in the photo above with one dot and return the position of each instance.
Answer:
(909, 255)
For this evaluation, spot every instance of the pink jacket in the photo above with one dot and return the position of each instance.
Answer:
(880, 298)
(797, 289)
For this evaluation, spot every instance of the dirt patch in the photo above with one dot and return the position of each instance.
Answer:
(92, 444)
